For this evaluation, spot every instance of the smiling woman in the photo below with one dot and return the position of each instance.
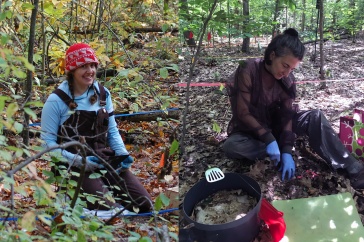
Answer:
(81, 109)
(265, 122)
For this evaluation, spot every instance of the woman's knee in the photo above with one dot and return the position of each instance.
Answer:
(243, 147)
(316, 113)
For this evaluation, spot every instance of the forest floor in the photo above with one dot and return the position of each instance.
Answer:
(208, 105)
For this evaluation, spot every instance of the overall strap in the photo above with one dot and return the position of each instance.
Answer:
(67, 99)
(62, 95)
(102, 95)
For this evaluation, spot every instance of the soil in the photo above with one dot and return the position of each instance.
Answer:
(209, 111)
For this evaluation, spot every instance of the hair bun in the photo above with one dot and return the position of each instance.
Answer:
(291, 32)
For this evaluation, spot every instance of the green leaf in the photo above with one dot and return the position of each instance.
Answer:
(173, 235)
(163, 72)
(145, 239)
(221, 87)
(27, 6)
(8, 14)
(92, 199)
(40, 196)
(28, 221)
(26, 63)
(68, 220)
(2, 102)
(6, 209)
(12, 109)
(81, 236)
(160, 201)
(19, 73)
(5, 155)
(136, 235)
(173, 67)
(124, 73)
(37, 58)
(216, 127)
(31, 113)
(48, 173)
(75, 173)
(95, 175)
(2, 16)
(104, 234)
(18, 127)
(7, 4)
(174, 147)
(94, 225)
(164, 199)
(4, 40)
(73, 183)
(165, 27)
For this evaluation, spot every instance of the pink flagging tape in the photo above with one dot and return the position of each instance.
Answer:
(217, 84)
(201, 84)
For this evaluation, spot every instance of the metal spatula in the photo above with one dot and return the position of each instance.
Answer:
(214, 174)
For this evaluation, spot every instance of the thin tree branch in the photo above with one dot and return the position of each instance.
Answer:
(190, 76)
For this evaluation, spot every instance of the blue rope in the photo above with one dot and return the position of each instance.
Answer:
(126, 215)
(151, 213)
(129, 114)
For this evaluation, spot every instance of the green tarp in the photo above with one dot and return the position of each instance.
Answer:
(318, 219)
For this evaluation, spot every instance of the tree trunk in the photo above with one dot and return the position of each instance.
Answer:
(165, 7)
(352, 22)
(246, 40)
(334, 15)
(183, 10)
(101, 13)
(237, 23)
(321, 29)
(29, 81)
(276, 12)
(303, 22)
(190, 76)
(229, 24)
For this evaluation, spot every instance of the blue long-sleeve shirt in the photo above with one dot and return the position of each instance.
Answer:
(55, 112)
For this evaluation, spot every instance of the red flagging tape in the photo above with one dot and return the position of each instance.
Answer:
(217, 84)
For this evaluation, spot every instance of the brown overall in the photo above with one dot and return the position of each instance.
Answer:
(91, 128)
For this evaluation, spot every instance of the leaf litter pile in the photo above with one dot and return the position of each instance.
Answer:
(209, 114)
(223, 207)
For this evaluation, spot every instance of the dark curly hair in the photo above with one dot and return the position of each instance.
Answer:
(285, 44)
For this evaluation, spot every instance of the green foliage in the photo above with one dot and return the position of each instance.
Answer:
(130, 85)
(229, 20)
(174, 147)
(216, 127)
(161, 201)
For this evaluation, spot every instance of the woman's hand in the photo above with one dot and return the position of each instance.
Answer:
(91, 163)
(126, 163)
(273, 152)
(288, 167)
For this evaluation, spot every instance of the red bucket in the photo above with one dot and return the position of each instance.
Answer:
(273, 219)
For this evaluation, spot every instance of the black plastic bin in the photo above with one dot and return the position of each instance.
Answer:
(244, 229)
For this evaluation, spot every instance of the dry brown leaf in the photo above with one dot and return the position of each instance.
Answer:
(257, 169)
